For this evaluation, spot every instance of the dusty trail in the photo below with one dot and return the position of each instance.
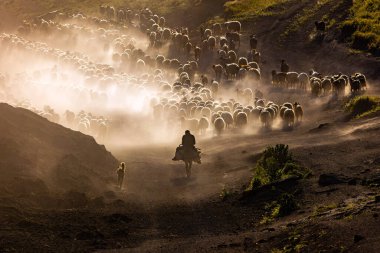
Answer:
(188, 216)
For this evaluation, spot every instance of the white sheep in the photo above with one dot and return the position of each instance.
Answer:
(219, 125)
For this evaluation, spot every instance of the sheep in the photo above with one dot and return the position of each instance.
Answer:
(326, 85)
(232, 70)
(242, 61)
(362, 79)
(254, 74)
(223, 41)
(233, 36)
(188, 48)
(242, 73)
(228, 119)
(248, 95)
(320, 26)
(253, 65)
(258, 94)
(303, 79)
(291, 79)
(278, 79)
(217, 28)
(218, 69)
(219, 125)
(203, 125)
(162, 22)
(211, 43)
(207, 33)
(316, 87)
(214, 88)
(288, 105)
(252, 42)
(206, 112)
(355, 84)
(166, 34)
(121, 16)
(234, 26)
(259, 102)
(289, 117)
(254, 115)
(241, 120)
(197, 53)
(232, 56)
(282, 111)
(313, 73)
(265, 118)
(298, 111)
(339, 86)
(204, 46)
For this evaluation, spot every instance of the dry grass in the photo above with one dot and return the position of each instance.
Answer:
(362, 28)
(244, 9)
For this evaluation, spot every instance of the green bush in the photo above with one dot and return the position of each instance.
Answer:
(287, 204)
(270, 166)
(362, 27)
(274, 164)
(347, 29)
(284, 206)
(361, 105)
(362, 41)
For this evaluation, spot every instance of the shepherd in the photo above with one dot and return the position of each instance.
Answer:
(188, 152)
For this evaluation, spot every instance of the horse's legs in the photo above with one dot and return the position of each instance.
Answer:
(188, 168)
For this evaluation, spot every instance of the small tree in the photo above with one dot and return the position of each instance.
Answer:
(272, 162)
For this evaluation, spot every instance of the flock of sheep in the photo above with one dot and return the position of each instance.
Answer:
(184, 78)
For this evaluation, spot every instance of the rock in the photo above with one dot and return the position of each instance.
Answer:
(97, 202)
(235, 245)
(118, 203)
(375, 215)
(89, 235)
(352, 181)
(110, 194)
(222, 246)
(358, 238)
(120, 232)
(117, 218)
(248, 244)
(376, 161)
(365, 171)
(271, 190)
(74, 199)
(330, 179)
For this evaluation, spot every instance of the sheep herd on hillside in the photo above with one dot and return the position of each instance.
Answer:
(198, 80)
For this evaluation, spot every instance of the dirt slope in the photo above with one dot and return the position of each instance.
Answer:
(34, 148)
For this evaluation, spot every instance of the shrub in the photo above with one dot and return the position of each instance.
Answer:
(362, 104)
(362, 27)
(284, 206)
(287, 204)
(269, 167)
(347, 29)
(362, 41)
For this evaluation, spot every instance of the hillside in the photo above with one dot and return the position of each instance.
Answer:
(285, 28)
(32, 148)
(290, 159)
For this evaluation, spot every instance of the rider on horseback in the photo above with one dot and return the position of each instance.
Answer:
(187, 152)
(188, 144)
